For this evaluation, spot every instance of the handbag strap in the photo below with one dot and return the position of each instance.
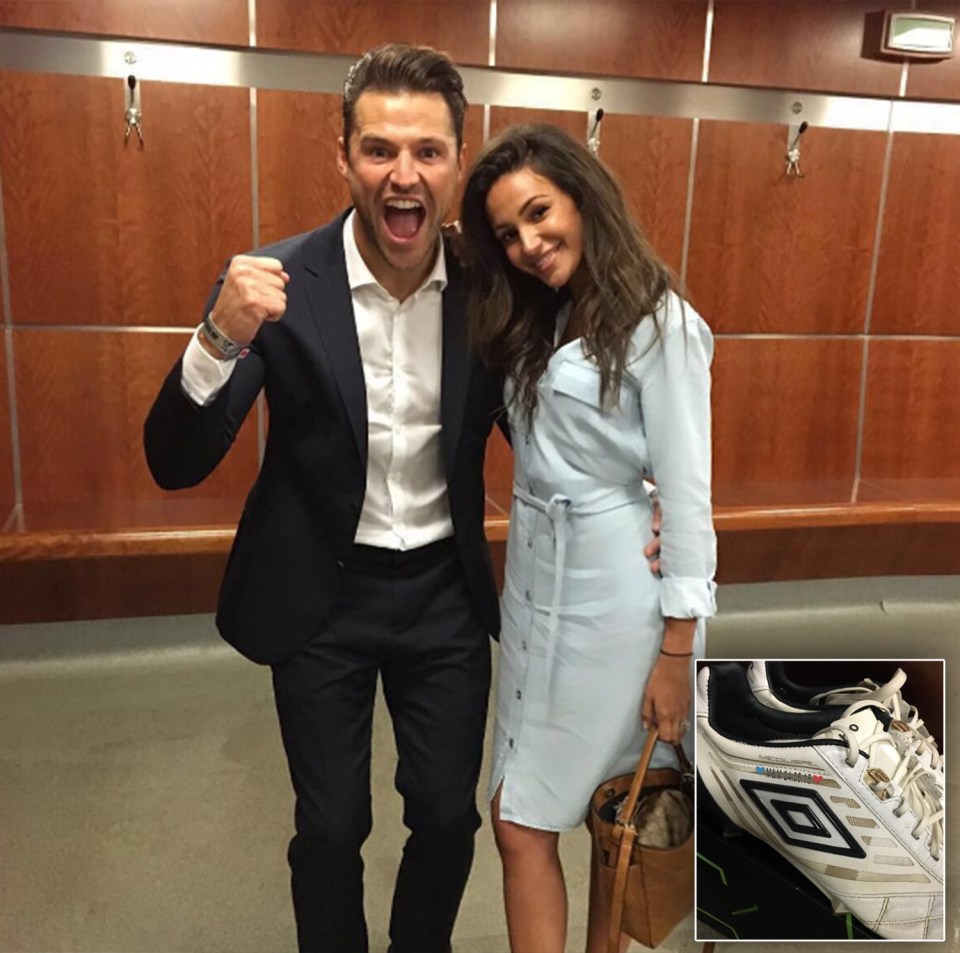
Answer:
(626, 809)
(628, 834)
(615, 925)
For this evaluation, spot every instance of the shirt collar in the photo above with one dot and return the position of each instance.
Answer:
(360, 276)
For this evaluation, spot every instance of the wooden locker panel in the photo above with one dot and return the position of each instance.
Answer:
(650, 157)
(186, 201)
(6, 441)
(785, 420)
(299, 183)
(461, 28)
(196, 21)
(918, 274)
(911, 420)
(657, 40)
(771, 253)
(82, 399)
(937, 79)
(61, 141)
(805, 44)
(99, 232)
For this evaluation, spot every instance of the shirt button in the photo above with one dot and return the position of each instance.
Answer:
(510, 742)
(519, 694)
(526, 595)
(529, 544)
(523, 645)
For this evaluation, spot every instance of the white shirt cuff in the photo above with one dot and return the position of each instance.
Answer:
(203, 376)
(686, 597)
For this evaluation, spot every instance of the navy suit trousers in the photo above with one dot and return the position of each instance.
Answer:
(406, 616)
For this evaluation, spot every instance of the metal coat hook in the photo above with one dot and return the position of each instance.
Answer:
(793, 149)
(593, 131)
(133, 116)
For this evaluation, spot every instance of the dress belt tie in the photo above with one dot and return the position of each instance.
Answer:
(558, 509)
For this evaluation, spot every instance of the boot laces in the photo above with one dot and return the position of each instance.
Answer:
(910, 782)
(890, 696)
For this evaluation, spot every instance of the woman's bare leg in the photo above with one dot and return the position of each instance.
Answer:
(534, 891)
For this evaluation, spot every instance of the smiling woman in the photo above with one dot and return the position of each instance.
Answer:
(539, 226)
(608, 382)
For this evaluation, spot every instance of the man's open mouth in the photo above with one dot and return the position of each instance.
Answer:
(403, 218)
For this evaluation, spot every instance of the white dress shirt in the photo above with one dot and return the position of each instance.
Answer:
(406, 503)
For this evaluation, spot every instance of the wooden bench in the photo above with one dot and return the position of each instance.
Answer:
(167, 557)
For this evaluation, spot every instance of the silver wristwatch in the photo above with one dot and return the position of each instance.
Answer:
(229, 349)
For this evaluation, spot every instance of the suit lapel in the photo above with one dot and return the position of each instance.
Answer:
(456, 365)
(332, 312)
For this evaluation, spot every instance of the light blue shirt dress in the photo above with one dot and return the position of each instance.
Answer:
(583, 616)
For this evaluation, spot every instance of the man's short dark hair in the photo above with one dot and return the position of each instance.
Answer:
(400, 68)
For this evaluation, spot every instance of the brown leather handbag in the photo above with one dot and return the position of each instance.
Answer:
(641, 826)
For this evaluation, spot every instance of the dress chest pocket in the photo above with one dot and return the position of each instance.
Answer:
(579, 381)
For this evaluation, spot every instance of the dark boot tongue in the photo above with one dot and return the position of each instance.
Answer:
(403, 223)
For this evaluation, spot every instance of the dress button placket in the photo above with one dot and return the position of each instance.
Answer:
(527, 529)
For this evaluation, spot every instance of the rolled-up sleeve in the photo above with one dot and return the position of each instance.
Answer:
(674, 377)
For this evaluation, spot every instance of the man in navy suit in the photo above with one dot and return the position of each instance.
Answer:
(361, 549)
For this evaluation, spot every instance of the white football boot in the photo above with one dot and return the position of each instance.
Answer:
(838, 792)
(771, 687)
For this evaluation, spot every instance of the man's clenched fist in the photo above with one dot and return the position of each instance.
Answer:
(253, 291)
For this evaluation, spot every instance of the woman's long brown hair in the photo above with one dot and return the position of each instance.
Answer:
(512, 314)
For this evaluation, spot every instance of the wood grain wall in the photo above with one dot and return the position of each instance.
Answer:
(833, 296)
(194, 21)
(109, 248)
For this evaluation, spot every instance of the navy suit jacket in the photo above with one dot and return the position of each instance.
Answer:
(301, 515)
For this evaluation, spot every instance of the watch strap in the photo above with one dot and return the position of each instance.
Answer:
(229, 349)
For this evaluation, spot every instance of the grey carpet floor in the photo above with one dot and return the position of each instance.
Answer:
(145, 805)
